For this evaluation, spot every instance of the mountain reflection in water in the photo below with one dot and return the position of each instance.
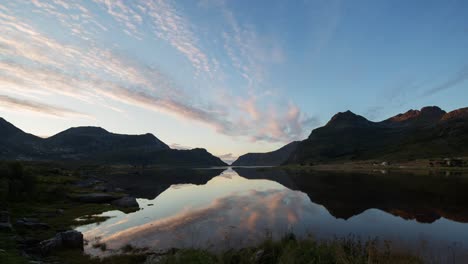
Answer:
(232, 211)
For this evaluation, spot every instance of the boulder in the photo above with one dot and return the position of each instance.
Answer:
(70, 239)
(95, 197)
(126, 202)
(46, 247)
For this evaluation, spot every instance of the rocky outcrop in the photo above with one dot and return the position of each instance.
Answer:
(64, 240)
(126, 202)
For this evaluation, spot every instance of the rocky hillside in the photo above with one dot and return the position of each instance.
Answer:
(95, 144)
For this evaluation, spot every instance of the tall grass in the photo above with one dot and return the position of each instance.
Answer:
(290, 250)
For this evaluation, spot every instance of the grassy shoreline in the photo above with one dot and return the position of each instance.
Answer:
(422, 165)
(41, 193)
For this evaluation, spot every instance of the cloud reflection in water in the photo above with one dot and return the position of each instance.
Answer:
(231, 211)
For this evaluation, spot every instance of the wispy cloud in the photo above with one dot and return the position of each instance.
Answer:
(458, 78)
(10, 103)
(406, 90)
(35, 63)
(166, 23)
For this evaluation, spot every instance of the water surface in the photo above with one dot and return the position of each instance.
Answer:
(424, 213)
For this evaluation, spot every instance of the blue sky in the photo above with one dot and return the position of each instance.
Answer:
(230, 76)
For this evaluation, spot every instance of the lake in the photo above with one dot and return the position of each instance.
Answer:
(426, 213)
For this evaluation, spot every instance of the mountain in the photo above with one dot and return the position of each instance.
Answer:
(426, 133)
(95, 144)
(273, 158)
(92, 141)
(14, 142)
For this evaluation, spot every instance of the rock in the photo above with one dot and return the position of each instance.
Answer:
(70, 239)
(5, 224)
(126, 202)
(95, 197)
(153, 259)
(31, 223)
(48, 246)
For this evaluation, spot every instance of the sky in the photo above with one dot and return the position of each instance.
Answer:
(229, 76)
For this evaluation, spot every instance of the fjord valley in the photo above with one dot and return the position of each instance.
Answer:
(233, 132)
(110, 189)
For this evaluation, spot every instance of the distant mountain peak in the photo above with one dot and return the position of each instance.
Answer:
(347, 118)
(87, 130)
(432, 109)
(427, 114)
(456, 114)
(4, 122)
(7, 127)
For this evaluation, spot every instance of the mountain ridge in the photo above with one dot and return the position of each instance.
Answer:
(426, 133)
(90, 143)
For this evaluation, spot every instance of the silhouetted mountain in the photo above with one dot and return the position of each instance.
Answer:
(15, 142)
(91, 140)
(96, 144)
(273, 158)
(429, 132)
(348, 119)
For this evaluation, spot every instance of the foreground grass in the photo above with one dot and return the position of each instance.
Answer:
(290, 250)
(287, 251)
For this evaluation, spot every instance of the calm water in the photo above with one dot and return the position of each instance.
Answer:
(427, 214)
